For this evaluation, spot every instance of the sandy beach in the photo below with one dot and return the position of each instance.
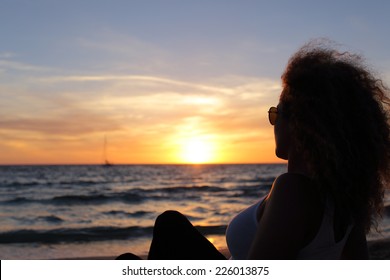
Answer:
(378, 250)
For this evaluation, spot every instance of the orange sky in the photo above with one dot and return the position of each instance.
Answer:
(145, 119)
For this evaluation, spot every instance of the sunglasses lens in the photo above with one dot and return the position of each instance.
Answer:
(272, 118)
(272, 115)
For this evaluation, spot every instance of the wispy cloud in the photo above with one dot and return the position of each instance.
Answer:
(148, 111)
(7, 55)
(6, 65)
(76, 124)
(141, 98)
(150, 80)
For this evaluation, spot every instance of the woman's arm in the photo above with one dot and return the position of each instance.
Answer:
(292, 209)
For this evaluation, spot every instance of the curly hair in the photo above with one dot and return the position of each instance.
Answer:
(339, 120)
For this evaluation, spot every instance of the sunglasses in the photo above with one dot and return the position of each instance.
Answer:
(272, 115)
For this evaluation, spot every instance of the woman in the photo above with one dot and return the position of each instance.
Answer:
(331, 124)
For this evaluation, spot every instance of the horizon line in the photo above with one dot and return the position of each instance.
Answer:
(124, 164)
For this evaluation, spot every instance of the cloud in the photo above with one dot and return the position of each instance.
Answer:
(7, 55)
(121, 52)
(150, 113)
(122, 45)
(76, 124)
(144, 100)
(144, 81)
(9, 65)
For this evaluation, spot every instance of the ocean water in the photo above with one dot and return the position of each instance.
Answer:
(55, 212)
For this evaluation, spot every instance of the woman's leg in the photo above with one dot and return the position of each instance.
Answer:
(128, 256)
(175, 238)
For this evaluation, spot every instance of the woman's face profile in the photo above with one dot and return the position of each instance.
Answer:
(282, 134)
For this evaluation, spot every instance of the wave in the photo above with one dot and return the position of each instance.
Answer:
(94, 199)
(192, 188)
(88, 234)
(18, 200)
(79, 199)
(90, 176)
(138, 195)
(52, 219)
(137, 214)
(50, 183)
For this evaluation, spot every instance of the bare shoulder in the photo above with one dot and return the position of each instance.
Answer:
(294, 188)
(295, 195)
(292, 178)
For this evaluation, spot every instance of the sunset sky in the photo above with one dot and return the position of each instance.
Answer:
(165, 81)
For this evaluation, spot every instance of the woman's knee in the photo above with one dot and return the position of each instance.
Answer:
(169, 217)
(128, 256)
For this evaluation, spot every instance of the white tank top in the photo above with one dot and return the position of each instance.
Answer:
(241, 231)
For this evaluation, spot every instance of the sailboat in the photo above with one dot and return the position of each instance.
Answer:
(106, 162)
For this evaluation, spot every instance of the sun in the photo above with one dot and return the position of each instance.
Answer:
(197, 150)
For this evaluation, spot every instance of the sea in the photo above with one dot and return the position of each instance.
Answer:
(93, 211)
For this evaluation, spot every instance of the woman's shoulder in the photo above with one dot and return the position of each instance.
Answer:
(296, 193)
(294, 184)
(293, 178)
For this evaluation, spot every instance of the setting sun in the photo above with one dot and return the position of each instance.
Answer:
(197, 150)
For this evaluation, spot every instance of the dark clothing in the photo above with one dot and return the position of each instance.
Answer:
(175, 238)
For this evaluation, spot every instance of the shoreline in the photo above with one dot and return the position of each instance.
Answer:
(378, 250)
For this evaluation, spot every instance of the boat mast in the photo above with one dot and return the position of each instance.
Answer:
(106, 162)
